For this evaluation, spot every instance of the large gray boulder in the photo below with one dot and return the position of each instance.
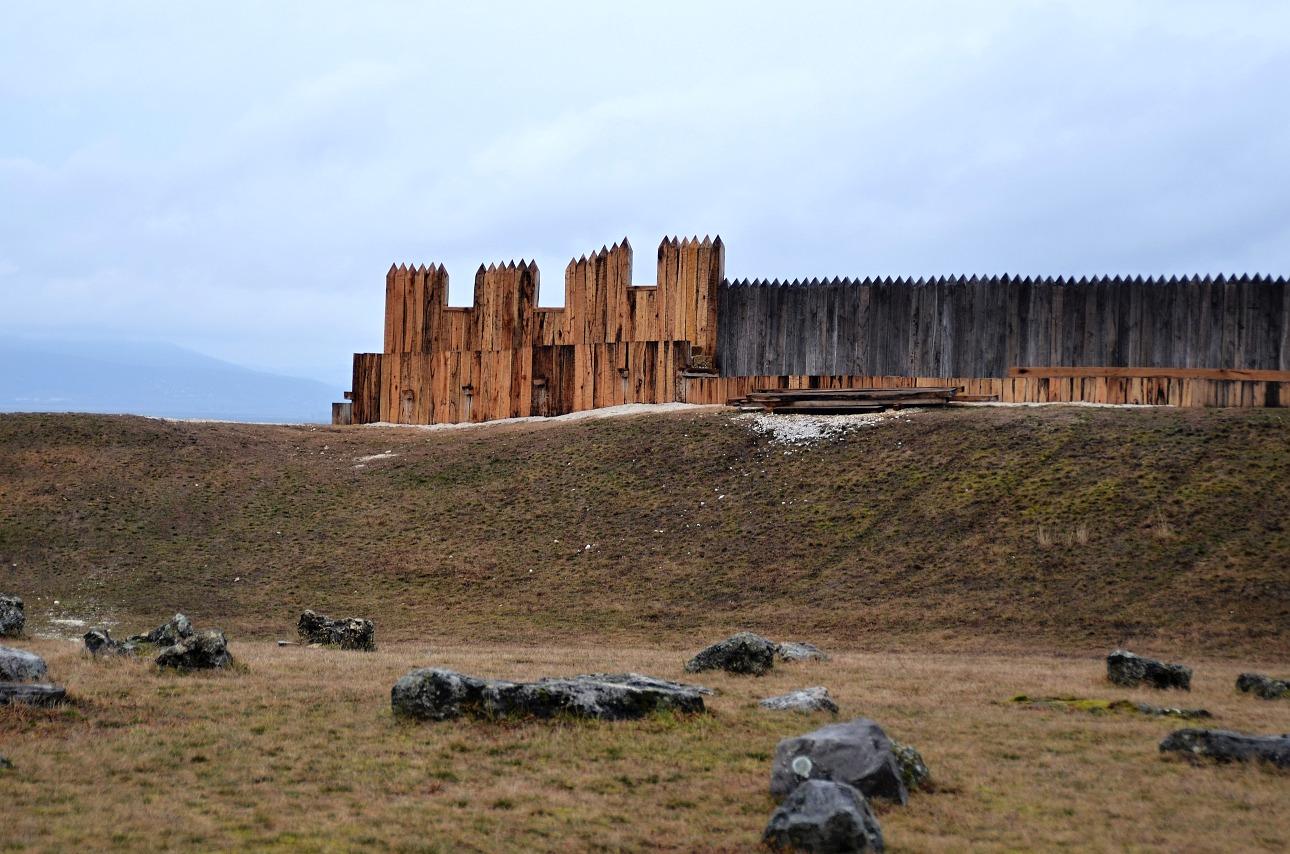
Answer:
(1266, 687)
(856, 752)
(741, 653)
(823, 816)
(814, 699)
(12, 616)
(201, 651)
(19, 665)
(1226, 746)
(435, 694)
(31, 694)
(169, 633)
(346, 632)
(1129, 670)
(796, 651)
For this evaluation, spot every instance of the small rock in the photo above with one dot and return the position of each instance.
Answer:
(792, 651)
(1267, 687)
(856, 752)
(814, 699)
(1125, 668)
(99, 642)
(823, 816)
(287, 643)
(1097, 706)
(346, 633)
(201, 651)
(741, 653)
(1225, 746)
(169, 633)
(19, 665)
(12, 617)
(31, 694)
(435, 694)
(913, 770)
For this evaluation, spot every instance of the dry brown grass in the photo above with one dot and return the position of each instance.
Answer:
(299, 751)
(1059, 529)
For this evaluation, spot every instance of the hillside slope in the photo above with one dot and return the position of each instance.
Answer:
(1055, 528)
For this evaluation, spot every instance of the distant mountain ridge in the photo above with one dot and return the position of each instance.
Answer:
(150, 378)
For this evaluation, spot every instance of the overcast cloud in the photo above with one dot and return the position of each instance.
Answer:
(237, 177)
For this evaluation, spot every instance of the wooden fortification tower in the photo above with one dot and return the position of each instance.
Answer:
(696, 337)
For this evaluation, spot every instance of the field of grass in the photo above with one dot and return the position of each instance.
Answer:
(1054, 529)
(950, 560)
(297, 750)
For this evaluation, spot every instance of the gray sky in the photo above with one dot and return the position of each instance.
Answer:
(237, 177)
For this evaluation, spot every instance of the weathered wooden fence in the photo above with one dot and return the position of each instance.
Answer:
(695, 337)
(983, 327)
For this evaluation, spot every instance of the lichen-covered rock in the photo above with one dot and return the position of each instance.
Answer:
(169, 633)
(1125, 668)
(12, 616)
(1099, 706)
(436, 694)
(741, 653)
(31, 694)
(345, 632)
(19, 665)
(640, 680)
(1226, 746)
(201, 651)
(100, 642)
(856, 752)
(913, 770)
(823, 816)
(1266, 687)
(794, 651)
(814, 699)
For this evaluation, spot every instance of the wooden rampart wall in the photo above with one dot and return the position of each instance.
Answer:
(695, 337)
(982, 327)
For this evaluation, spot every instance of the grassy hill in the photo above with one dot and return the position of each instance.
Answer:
(1055, 528)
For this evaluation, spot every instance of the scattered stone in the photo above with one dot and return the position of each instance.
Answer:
(639, 680)
(346, 632)
(814, 699)
(823, 816)
(791, 651)
(741, 653)
(1226, 746)
(1126, 669)
(435, 694)
(913, 770)
(1096, 706)
(1267, 687)
(169, 633)
(201, 651)
(12, 617)
(31, 693)
(856, 752)
(99, 642)
(19, 665)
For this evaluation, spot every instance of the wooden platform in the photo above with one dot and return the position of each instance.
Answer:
(840, 401)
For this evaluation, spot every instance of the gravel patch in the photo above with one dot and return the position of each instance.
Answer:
(805, 430)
